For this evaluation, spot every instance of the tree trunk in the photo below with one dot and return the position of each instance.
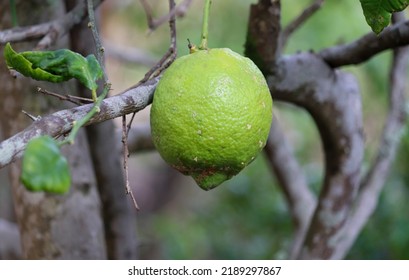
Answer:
(52, 226)
(106, 150)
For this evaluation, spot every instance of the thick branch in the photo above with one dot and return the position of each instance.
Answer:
(333, 100)
(374, 181)
(293, 182)
(367, 46)
(59, 123)
(262, 44)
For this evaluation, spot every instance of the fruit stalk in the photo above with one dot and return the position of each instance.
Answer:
(205, 26)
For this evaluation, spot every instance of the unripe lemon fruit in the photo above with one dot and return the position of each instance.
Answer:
(211, 115)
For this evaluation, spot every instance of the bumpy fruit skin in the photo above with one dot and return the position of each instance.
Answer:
(211, 114)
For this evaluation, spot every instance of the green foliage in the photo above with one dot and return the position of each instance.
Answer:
(55, 66)
(44, 167)
(378, 12)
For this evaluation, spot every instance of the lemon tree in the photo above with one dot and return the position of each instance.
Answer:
(211, 114)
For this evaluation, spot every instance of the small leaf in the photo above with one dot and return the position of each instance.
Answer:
(378, 12)
(55, 66)
(44, 167)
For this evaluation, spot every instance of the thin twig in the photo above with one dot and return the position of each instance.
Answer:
(299, 21)
(30, 116)
(178, 11)
(140, 138)
(166, 60)
(126, 156)
(70, 98)
(148, 13)
(170, 55)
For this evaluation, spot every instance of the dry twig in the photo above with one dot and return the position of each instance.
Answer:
(70, 98)
(155, 71)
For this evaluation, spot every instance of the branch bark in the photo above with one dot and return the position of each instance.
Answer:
(265, 18)
(367, 46)
(375, 179)
(317, 89)
(59, 123)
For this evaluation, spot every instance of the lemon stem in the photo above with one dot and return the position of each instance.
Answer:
(205, 26)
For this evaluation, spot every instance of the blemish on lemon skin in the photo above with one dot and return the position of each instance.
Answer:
(199, 132)
(260, 143)
(195, 159)
(248, 126)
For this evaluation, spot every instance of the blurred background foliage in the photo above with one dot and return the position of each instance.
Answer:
(247, 217)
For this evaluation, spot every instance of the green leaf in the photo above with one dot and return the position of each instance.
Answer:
(44, 167)
(21, 64)
(378, 12)
(55, 66)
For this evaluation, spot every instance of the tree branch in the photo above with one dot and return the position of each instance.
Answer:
(292, 180)
(61, 122)
(318, 89)
(374, 181)
(367, 46)
(263, 33)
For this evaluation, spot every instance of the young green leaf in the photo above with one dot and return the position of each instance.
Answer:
(44, 167)
(55, 66)
(378, 12)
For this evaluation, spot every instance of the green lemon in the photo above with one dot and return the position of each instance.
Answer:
(211, 114)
